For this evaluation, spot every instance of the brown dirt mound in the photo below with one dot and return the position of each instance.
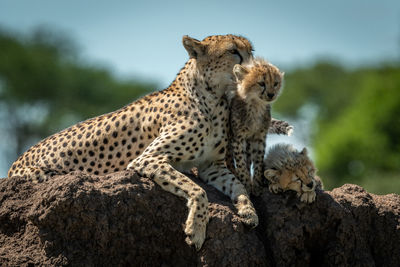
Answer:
(123, 219)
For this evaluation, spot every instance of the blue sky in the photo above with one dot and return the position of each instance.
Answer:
(143, 38)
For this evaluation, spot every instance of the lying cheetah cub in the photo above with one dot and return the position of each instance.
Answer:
(288, 169)
(258, 84)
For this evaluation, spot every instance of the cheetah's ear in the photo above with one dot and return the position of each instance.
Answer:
(239, 71)
(304, 152)
(193, 47)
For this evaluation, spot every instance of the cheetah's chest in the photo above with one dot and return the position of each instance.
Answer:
(212, 146)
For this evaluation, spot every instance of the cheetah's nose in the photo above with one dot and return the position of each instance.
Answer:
(270, 95)
(310, 185)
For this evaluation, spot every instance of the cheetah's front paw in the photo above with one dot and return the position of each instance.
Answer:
(246, 211)
(308, 197)
(249, 216)
(196, 233)
(275, 188)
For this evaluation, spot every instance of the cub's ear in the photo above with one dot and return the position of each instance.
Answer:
(239, 71)
(282, 74)
(270, 175)
(304, 152)
(193, 47)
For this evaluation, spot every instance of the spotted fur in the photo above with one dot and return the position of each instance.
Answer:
(288, 169)
(259, 84)
(161, 135)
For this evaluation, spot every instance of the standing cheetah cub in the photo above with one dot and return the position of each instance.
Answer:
(258, 84)
(288, 169)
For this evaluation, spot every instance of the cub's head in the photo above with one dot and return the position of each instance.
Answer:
(215, 57)
(258, 80)
(290, 169)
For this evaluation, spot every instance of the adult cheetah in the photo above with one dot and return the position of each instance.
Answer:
(161, 135)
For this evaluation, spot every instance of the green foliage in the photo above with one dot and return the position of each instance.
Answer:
(357, 128)
(44, 87)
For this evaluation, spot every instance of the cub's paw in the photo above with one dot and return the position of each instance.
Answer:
(307, 197)
(275, 188)
(196, 233)
(280, 127)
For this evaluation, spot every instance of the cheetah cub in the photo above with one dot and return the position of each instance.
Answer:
(258, 84)
(288, 169)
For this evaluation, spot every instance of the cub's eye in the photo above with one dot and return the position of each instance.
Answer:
(276, 84)
(262, 84)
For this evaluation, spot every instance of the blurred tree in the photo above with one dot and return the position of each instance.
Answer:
(357, 127)
(364, 141)
(44, 88)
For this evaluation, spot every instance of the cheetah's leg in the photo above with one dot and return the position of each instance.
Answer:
(229, 158)
(242, 170)
(32, 173)
(219, 176)
(171, 180)
(257, 148)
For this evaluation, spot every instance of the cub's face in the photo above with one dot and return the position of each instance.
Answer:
(298, 175)
(216, 55)
(260, 80)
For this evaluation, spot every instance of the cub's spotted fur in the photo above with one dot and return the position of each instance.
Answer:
(259, 84)
(288, 169)
(161, 135)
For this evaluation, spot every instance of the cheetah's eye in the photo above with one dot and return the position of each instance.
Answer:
(236, 52)
(276, 84)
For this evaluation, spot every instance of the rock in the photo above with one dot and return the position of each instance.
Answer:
(345, 227)
(123, 219)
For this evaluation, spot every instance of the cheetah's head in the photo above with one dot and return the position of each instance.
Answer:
(215, 57)
(291, 169)
(258, 80)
